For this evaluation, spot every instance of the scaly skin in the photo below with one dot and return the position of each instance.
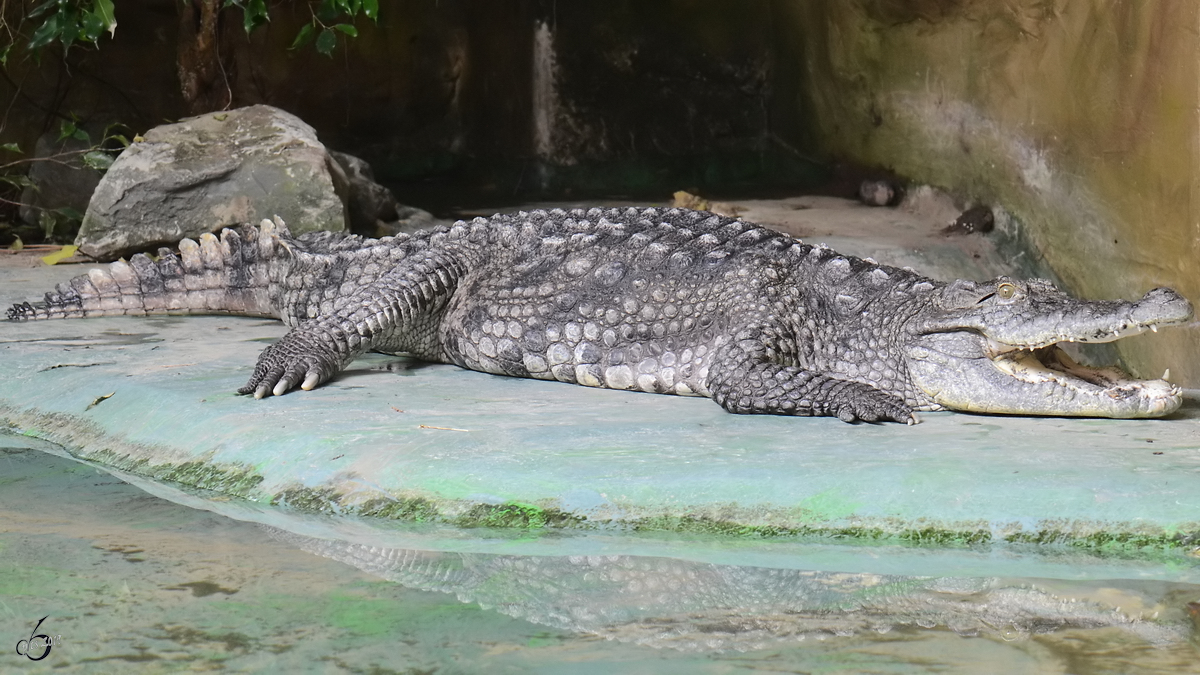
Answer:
(655, 300)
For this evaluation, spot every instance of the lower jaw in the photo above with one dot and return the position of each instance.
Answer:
(1056, 385)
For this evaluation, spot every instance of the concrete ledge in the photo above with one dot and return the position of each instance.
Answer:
(431, 456)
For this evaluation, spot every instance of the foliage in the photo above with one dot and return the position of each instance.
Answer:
(82, 24)
(85, 21)
(101, 155)
(97, 155)
(70, 21)
(324, 27)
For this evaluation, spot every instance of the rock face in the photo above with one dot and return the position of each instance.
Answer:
(209, 172)
(65, 183)
(372, 209)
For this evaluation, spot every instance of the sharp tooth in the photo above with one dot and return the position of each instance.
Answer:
(1153, 328)
(1166, 373)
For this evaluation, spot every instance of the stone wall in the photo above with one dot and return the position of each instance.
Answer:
(1081, 118)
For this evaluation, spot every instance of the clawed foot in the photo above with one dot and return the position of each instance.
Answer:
(296, 359)
(868, 404)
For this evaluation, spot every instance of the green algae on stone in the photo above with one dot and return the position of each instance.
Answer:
(409, 509)
(235, 481)
(309, 500)
(517, 515)
(935, 536)
(1108, 542)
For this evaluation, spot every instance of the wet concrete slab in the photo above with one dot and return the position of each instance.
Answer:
(123, 581)
(410, 455)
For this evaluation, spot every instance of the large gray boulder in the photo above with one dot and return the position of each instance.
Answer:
(209, 172)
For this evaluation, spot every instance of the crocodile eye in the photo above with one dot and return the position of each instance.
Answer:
(1006, 290)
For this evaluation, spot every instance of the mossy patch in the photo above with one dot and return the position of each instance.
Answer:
(1105, 541)
(925, 536)
(229, 479)
(411, 509)
(517, 515)
(309, 500)
(232, 480)
(940, 537)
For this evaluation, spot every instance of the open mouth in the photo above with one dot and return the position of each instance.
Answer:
(1051, 365)
(1012, 360)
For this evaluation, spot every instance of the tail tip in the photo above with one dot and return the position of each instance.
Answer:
(20, 312)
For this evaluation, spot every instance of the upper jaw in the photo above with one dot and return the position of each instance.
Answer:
(1067, 320)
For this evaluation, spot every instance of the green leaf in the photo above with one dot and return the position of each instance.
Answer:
(91, 27)
(326, 41)
(69, 28)
(4, 54)
(103, 9)
(347, 29)
(326, 11)
(66, 130)
(304, 37)
(60, 255)
(16, 180)
(371, 9)
(41, 9)
(46, 33)
(69, 129)
(98, 160)
(254, 14)
(12, 147)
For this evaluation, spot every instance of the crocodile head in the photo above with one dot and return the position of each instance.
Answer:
(993, 348)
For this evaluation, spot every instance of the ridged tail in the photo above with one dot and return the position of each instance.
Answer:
(226, 275)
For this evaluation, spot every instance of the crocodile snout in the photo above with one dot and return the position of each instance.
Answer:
(1162, 305)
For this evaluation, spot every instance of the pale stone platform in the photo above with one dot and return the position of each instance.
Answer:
(409, 455)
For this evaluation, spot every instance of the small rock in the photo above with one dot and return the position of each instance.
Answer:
(879, 193)
(686, 200)
(372, 209)
(977, 219)
(408, 219)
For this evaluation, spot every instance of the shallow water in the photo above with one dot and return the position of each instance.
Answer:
(133, 582)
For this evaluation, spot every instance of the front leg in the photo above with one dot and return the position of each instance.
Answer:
(309, 355)
(382, 313)
(745, 378)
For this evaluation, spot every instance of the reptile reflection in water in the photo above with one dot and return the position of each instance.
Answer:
(687, 605)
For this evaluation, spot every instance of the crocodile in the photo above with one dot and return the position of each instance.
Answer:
(647, 299)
